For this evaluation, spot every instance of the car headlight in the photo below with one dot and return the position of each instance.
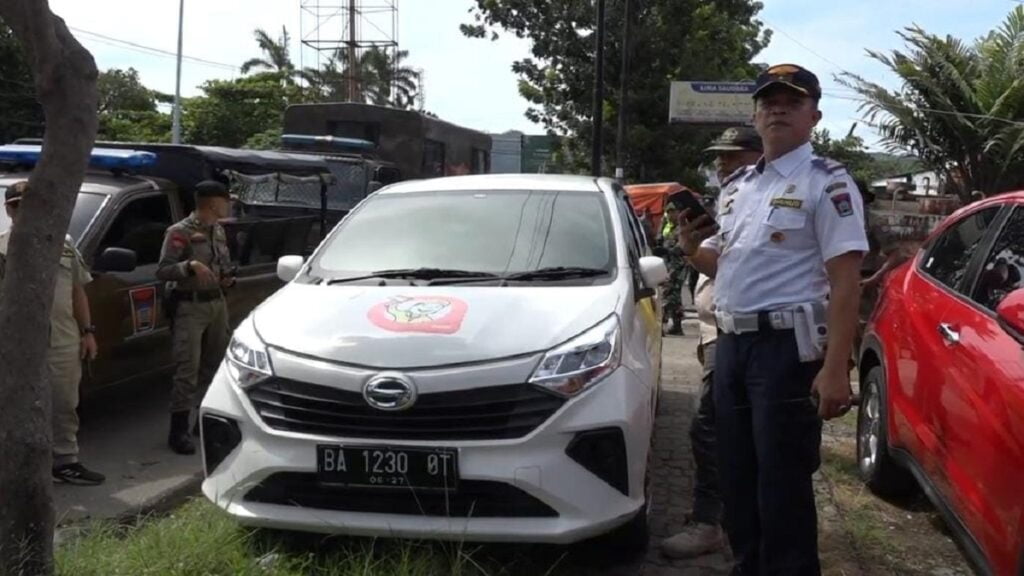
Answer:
(247, 360)
(581, 362)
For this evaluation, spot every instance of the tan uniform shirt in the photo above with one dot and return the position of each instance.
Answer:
(704, 301)
(191, 240)
(64, 329)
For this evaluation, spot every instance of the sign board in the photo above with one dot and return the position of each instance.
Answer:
(711, 103)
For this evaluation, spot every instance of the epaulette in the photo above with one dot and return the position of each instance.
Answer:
(732, 177)
(828, 165)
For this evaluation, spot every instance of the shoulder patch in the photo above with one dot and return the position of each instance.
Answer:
(178, 239)
(835, 186)
(732, 177)
(828, 165)
(843, 204)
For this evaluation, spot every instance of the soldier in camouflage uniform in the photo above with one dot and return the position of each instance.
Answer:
(672, 293)
(196, 264)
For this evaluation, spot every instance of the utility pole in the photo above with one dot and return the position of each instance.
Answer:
(353, 62)
(627, 49)
(596, 152)
(176, 121)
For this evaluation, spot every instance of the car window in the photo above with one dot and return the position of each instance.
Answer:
(949, 256)
(86, 206)
(494, 231)
(140, 226)
(1004, 268)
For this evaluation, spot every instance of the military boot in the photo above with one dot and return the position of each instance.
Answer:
(677, 325)
(179, 438)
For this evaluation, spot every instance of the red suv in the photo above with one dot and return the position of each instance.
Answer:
(942, 381)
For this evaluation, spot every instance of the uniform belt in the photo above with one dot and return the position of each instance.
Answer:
(197, 295)
(756, 321)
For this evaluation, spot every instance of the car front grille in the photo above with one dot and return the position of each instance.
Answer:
(473, 499)
(490, 413)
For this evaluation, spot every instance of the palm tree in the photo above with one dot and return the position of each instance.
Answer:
(960, 107)
(383, 80)
(276, 55)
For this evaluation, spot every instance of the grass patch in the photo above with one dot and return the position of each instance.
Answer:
(199, 538)
(890, 538)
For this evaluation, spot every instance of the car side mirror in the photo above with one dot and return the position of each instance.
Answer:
(653, 271)
(288, 267)
(116, 260)
(1010, 313)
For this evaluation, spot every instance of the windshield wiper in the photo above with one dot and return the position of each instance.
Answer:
(417, 274)
(557, 273)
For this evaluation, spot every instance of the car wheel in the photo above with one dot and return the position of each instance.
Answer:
(878, 470)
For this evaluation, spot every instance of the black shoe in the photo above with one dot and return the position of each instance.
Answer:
(676, 329)
(179, 439)
(75, 473)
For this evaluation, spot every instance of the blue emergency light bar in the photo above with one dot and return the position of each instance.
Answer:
(106, 158)
(333, 141)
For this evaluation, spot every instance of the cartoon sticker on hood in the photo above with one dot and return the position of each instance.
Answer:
(427, 314)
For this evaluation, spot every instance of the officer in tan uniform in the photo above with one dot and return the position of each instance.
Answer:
(71, 342)
(196, 264)
(736, 148)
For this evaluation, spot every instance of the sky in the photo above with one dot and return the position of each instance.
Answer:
(470, 82)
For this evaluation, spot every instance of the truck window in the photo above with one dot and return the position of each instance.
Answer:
(140, 226)
(433, 158)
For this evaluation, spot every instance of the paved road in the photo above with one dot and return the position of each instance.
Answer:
(123, 436)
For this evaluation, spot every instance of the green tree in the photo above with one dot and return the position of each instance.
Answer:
(673, 40)
(276, 56)
(21, 116)
(232, 111)
(959, 107)
(128, 110)
(384, 80)
(850, 151)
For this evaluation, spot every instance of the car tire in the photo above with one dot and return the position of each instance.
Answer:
(878, 470)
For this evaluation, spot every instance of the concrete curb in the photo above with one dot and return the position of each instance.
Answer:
(164, 502)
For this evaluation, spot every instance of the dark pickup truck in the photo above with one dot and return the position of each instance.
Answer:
(118, 225)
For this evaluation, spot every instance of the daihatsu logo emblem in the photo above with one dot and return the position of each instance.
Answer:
(390, 392)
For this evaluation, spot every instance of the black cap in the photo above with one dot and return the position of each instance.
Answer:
(738, 139)
(14, 192)
(212, 189)
(792, 76)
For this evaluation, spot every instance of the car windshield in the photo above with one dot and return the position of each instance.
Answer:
(493, 232)
(86, 206)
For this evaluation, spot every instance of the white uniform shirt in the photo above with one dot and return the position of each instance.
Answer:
(778, 224)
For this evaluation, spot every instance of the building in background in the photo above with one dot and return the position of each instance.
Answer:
(513, 152)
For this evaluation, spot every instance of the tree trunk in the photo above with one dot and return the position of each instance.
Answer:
(65, 80)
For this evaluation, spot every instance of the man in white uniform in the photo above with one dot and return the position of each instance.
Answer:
(786, 256)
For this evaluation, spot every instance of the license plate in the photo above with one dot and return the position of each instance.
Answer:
(388, 467)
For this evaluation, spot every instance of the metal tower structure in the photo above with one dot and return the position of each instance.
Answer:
(345, 30)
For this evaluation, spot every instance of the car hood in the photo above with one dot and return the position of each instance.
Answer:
(418, 327)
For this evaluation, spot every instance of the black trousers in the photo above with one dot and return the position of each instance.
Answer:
(707, 500)
(769, 440)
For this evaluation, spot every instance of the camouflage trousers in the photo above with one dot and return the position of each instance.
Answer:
(200, 340)
(672, 292)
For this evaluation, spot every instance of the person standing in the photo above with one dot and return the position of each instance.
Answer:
(196, 265)
(673, 290)
(72, 341)
(786, 256)
(734, 149)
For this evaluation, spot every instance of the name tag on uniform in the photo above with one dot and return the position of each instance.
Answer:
(787, 203)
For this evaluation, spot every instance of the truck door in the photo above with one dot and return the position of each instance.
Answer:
(133, 335)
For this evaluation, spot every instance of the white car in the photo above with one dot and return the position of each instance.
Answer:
(474, 358)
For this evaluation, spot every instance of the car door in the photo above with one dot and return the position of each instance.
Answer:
(920, 356)
(647, 313)
(133, 334)
(981, 434)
